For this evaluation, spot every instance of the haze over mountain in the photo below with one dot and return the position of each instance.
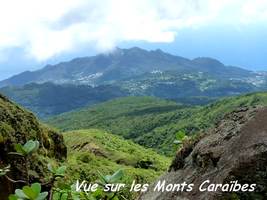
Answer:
(123, 64)
(128, 72)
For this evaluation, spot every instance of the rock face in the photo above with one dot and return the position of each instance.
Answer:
(20, 126)
(235, 150)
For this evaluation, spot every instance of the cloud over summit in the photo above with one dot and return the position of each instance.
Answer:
(44, 29)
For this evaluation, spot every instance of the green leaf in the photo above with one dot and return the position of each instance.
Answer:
(102, 178)
(31, 146)
(42, 196)
(180, 135)
(37, 145)
(75, 196)
(20, 194)
(29, 192)
(116, 176)
(51, 168)
(107, 178)
(36, 187)
(56, 195)
(95, 195)
(64, 196)
(12, 197)
(19, 149)
(61, 171)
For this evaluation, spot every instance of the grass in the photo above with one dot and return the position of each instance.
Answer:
(92, 151)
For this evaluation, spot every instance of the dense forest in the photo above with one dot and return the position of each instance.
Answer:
(152, 122)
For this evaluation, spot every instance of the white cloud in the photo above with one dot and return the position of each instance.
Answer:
(47, 28)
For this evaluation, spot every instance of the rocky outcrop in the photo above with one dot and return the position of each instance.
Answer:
(19, 126)
(235, 150)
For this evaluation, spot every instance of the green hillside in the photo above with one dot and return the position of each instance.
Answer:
(20, 160)
(90, 150)
(150, 121)
(90, 153)
(189, 88)
(86, 81)
(49, 99)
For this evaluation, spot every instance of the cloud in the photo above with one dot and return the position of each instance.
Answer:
(44, 29)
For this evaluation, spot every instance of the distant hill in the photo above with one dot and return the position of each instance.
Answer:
(123, 64)
(49, 99)
(152, 122)
(129, 72)
(189, 88)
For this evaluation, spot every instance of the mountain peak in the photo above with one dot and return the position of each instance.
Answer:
(204, 60)
(136, 49)
(120, 64)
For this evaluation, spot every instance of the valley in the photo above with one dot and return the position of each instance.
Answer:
(130, 115)
(86, 81)
(152, 122)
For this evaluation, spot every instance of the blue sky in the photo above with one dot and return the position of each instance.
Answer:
(47, 32)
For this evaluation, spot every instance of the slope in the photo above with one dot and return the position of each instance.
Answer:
(19, 126)
(49, 99)
(152, 122)
(227, 158)
(91, 151)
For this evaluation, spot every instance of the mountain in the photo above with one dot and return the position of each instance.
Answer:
(123, 64)
(49, 99)
(60, 88)
(152, 122)
(221, 162)
(84, 153)
(189, 88)
(17, 126)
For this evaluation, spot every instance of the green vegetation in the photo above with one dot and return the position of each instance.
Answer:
(32, 192)
(50, 99)
(89, 151)
(191, 88)
(102, 143)
(99, 148)
(37, 154)
(26, 147)
(152, 122)
(180, 138)
(57, 172)
(93, 151)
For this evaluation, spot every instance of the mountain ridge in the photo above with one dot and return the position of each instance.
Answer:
(153, 122)
(49, 99)
(121, 63)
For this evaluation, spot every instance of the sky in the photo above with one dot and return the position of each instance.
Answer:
(34, 33)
